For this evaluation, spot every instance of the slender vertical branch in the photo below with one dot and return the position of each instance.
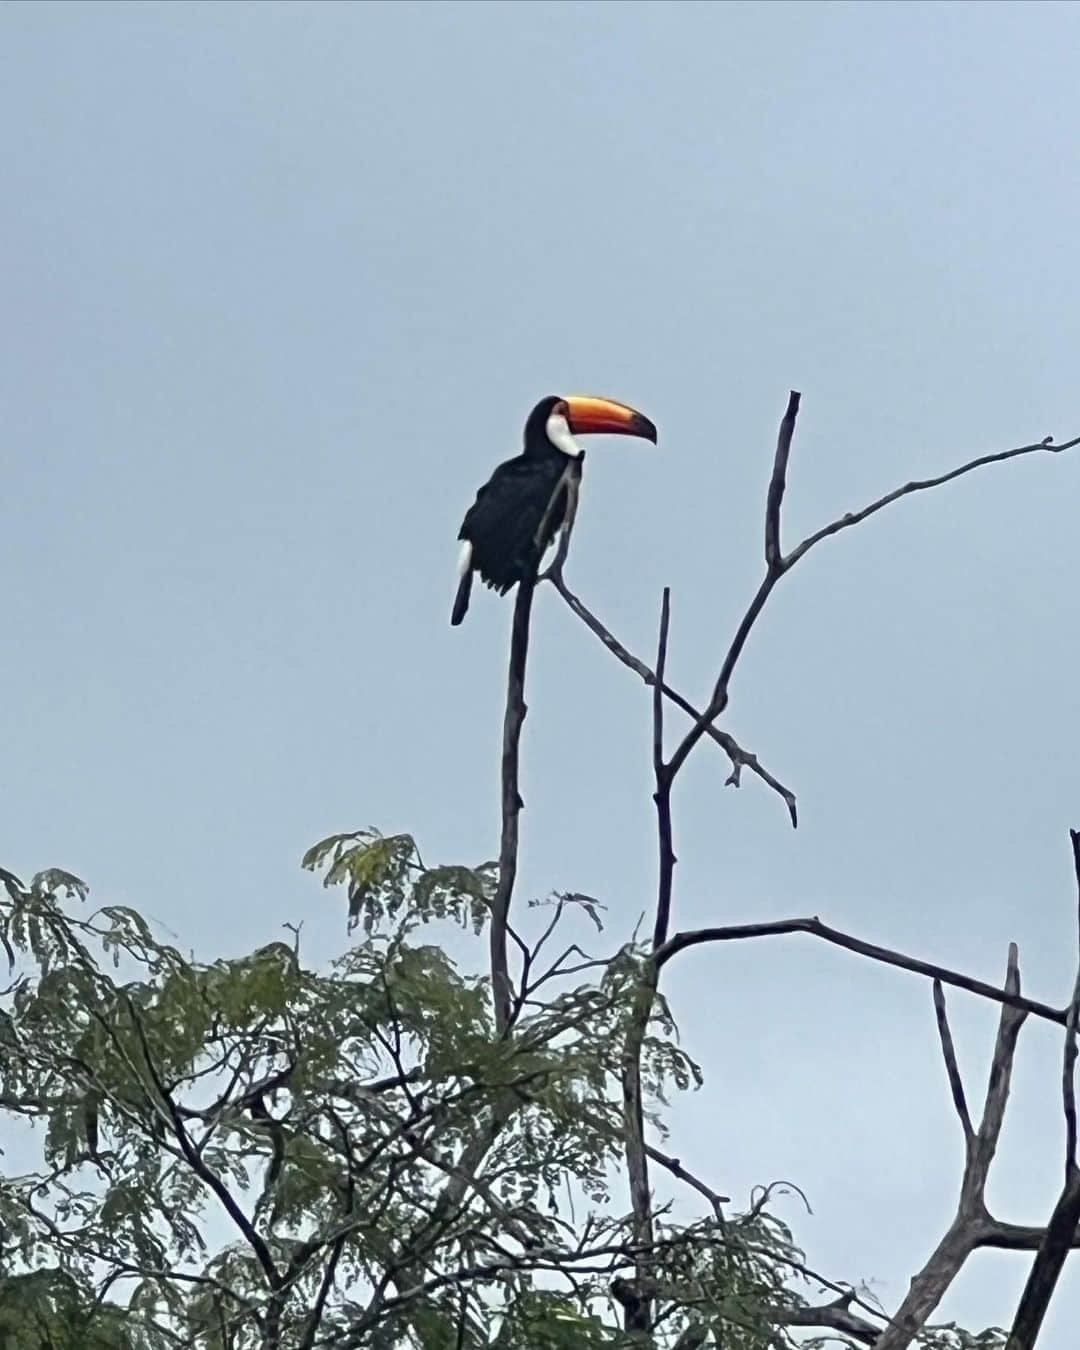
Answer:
(511, 802)
(638, 1310)
(637, 1302)
(1060, 1232)
(776, 566)
(513, 719)
(971, 1222)
(1047, 1267)
(952, 1068)
(662, 793)
(774, 555)
(658, 685)
(1068, 1076)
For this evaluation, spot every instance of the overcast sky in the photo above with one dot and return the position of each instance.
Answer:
(280, 283)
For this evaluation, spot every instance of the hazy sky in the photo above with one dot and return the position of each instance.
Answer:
(280, 283)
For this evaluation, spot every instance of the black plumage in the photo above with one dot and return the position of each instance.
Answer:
(517, 513)
(523, 505)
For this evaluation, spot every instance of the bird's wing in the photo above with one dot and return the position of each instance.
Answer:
(504, 523)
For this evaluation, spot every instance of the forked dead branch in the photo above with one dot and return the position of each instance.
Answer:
(972, 1227)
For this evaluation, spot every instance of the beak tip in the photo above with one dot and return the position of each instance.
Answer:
(645, 428)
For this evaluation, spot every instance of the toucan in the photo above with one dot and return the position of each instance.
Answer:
(523, 505)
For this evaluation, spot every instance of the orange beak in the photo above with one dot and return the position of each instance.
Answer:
(593, 415)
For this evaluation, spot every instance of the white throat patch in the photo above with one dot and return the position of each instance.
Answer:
(558, 433)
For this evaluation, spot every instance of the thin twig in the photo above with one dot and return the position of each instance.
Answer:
(774, 555)
(778, 565)
(662, 793)
(675, 1167)
(739, 757)
(921, 485)
(952, 1068)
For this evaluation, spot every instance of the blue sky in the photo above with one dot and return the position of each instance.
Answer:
(281, 283)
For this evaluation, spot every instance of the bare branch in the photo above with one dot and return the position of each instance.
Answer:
(774, 557)
(952, 1068)
(1058, 1239)
(837, 1315)
(1068, 1076)
(1060, 1235)
(778, 565)
(511, 802)
(1014, 1237)
(963, 1235)
(997, 1088)
(658, 686)
(739, 757)
(921, 485)
(814, 926)
(662, 794)
(638, 1312)
(675, 1167)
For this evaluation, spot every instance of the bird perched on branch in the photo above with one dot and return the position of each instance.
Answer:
(528, 499)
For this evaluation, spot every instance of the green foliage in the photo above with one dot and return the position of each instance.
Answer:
(952, 1337)
(230, 1150)
(386, 881)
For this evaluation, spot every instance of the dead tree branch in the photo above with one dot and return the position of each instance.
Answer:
(774, 555)
(1060, 1235)
(1014, 1237)
(739, 757)
(511, 802)
(952, 1068)
(921, 485)
(775, 567)
(962, 1236)
(662, 794)
(972, 1226)
(637, 1303)
(675, 1167)
(837, 1316)
(739, 932)
(778, 565)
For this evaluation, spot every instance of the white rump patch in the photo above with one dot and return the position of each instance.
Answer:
(558, 433)
(464, 561)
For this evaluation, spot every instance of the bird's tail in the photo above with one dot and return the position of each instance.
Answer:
(461, 600)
